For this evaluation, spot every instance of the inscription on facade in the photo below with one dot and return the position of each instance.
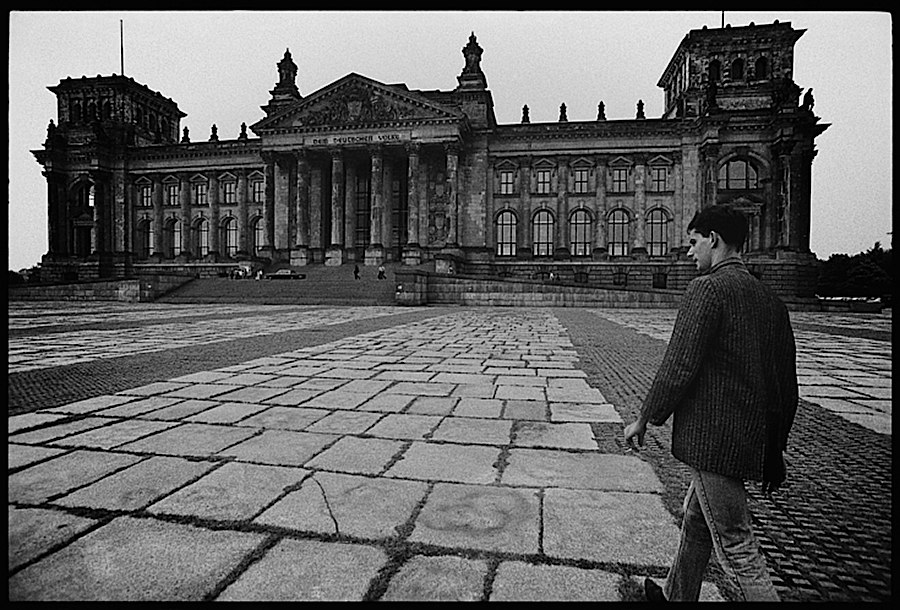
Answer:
(368, 138)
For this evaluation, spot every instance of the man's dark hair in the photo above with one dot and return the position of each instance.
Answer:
(730, 223)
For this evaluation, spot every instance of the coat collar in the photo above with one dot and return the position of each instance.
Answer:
(728, 262)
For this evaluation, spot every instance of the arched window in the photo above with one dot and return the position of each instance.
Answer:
(259, 235)
(658, 233)
(617, 227)
(202, 228)
(737, 69)
(506, 233)
(172, 238)
(143, 243)
(715, 71)
(580, 233)
(738, 175)
(542, 233)
(762, 68)
(231, 236)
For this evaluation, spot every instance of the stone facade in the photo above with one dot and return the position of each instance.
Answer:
(366, 172)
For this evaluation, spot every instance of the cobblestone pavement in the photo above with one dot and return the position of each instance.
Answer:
(283, 452)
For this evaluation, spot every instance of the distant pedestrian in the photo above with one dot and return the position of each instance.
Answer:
(729, 380)
(381, 275)
(356, 272)
(259, 274)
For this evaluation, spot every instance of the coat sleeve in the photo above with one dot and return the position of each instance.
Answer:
(695, 325)
(787, 382)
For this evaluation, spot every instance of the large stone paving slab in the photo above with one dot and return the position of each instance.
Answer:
(357, 455)
(117, 433)
(351, 505)
(18, 456)
(439, 579)
(559, 436)
(55, 431)
(608, 526)
(472, 430)
(138, 485)
(136, 560)
(446, 462)
(280, 447)
(521, 582)
(482, 517)
(190, 439)
(287, 418)
(546, 468)
(308, 570)
(234, 492)
(58, 475)
(34, 531)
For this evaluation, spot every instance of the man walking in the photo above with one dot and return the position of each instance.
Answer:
(729, 379)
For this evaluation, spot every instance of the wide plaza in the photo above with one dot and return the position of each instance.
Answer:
(279, 452)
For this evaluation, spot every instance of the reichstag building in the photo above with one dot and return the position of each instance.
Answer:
(365, 172)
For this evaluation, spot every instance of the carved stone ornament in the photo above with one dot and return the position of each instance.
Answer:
(438, 221)
(356, 105)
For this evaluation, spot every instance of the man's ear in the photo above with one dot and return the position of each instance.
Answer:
(714, 239)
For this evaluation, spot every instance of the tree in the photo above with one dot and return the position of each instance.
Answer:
(867, 274)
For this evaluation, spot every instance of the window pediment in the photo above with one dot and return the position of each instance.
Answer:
(227, 177)
(621, 162)
(660, 160)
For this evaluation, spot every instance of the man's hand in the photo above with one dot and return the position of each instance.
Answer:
(635, 429)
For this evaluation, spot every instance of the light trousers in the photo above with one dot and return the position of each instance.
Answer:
(717, 518)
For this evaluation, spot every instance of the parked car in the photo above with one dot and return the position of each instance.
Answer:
(285, 274)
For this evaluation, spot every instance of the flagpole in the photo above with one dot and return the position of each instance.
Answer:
(121, 48)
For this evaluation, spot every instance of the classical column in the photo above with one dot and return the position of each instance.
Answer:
(283, 208)
(411, 254)
(452, 153)
(375, 250)
(562, 209)
(184, 199)
(215, 248)
(156, 197)
(679, 235)
(600, 228)
(335, 255)
(525, 239)
(269, 206)
(243, 213)
(388, 203)
(300, 252)
(57, 215)
(350, 185)
(639, 244)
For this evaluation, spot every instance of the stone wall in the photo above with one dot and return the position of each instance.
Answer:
(133, 290)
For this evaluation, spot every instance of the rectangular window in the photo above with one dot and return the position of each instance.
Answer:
(230, 192)
(259, 191)
(543, 181)
(619, 180)
(146, 196)
(506, 182)
(658, 179)
(200, 194)
(172, 192)
(581, 181)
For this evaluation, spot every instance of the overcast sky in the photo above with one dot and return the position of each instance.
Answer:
(219, 67)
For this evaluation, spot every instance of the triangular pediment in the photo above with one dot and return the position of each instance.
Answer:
(357, 101)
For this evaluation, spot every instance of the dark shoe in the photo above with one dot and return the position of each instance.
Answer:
(653, 591)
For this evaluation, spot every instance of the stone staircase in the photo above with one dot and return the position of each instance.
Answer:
(322, 286)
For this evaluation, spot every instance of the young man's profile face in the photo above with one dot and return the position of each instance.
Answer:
(701, 250)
